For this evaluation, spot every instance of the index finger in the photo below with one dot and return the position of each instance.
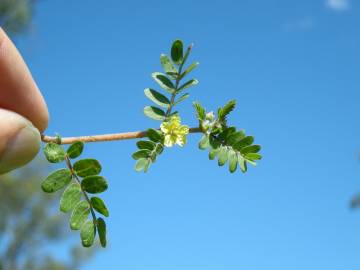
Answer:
(18, 90)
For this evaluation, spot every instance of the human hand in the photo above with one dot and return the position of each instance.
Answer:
(23, 111)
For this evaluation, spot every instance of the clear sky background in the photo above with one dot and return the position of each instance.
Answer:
(293, 67)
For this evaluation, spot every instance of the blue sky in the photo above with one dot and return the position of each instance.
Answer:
(293, 67)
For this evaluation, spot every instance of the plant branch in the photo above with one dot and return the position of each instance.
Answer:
(105, 137)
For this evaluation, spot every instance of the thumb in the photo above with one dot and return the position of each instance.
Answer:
(19, 141)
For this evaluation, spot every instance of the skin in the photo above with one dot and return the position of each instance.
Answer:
(23, 111)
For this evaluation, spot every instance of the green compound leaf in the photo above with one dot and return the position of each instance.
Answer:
(94, 184)
(79, 215)
(231, 146)
(99, 205)
(164, 82)
(228, 108)
(56, 180)
(182, 98)
(87, 233)
(87, 167)
(177, 51)
(149, 145)
(75, 149)
(142, 165)
(154, 113)
(189, 69)
(168, 66)
(141, 154)
(188, 84)
(70, 197)
(101, 226)
(157, 98)
(54, 153)
(155, 135)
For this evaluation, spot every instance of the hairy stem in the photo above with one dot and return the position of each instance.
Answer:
(104, 137)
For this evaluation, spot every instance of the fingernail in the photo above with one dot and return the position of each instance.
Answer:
(20, 148)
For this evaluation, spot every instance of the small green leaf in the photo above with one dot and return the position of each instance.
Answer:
(200, 111)
(177, 51)
(87, 167)
(250, 149)
(142, 164)
(87, 233)
(154, 113)
(75, 149)
(101, 226)
(227, 132)
(172, 75)
(250, 161)
(223, 156)
(204, 142)
(213, 153)
(235, 137)
(174, 113)
(70, 197)
(187, 53)
(155, 135)
(189, 69)
(248, 140)
(54, 153)
(253, 156)
(168, 66)
(164, 82)
(145, 153)
(232, 161)
(79, 215)
(147, 165)
(214, 142)
(146, 145)
(187, 85)
(228, 108)
(157, 98)
(242, 163)
(94, 184)
(99, 205)
(56, 180)
(182, 98)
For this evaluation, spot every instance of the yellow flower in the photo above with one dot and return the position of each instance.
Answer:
(174, 132)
